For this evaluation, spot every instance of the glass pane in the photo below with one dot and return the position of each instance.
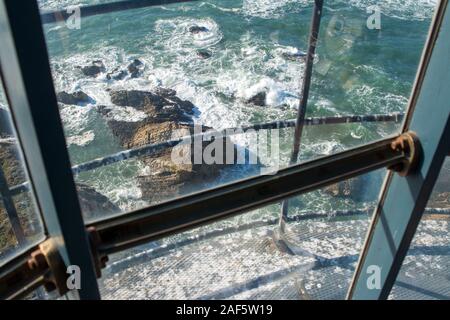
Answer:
(20, 223)
(238, 259)
(137, 78)
(425, 270)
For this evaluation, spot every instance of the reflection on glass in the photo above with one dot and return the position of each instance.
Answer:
(140, 77)
(238, 259)
(425, 271)
(20, 223)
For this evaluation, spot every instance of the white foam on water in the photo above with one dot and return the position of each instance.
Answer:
(81, 140)
(63, 4)
(269, 9)
(400, 9)
(174, 33)
(237, 72)
(75, 118)
(373, 98)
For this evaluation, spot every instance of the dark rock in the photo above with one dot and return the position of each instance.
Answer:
(133, 68)
(94, 204)
(76, 98)
(168, 117)
(116, 75)
(258, 100)
(298, 56)
(165, 92)
(94, 69)
(198, 29)
(204, 54)
(5, 124)
(103, 110)
(159, 108)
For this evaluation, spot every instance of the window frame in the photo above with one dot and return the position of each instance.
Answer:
(52, 181)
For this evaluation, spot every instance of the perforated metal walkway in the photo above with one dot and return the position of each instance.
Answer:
(229, 262)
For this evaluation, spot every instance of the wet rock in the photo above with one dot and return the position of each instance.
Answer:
(166, 93)
(94, 69)
(297, 56)
(258, 100)
(169, 117)
(5, 125)
(94, 204)
(133, 68)
(198, 29)
(204, 54)
(75, 98)
(116, 75)
(103, 110)
(158, 107)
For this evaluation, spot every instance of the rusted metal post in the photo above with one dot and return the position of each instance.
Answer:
(10, 209)
(313, 36)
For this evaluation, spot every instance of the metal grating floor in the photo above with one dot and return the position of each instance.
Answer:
(213, 263)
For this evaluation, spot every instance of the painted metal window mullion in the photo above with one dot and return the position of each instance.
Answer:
(28, 83)
(403, 200)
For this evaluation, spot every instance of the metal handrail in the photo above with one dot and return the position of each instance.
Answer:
(153, 148)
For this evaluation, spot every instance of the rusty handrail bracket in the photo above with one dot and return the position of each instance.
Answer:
(408, 143)
(48, 259)
(99, 259)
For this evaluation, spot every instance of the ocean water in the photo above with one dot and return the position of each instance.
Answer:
(357, 71)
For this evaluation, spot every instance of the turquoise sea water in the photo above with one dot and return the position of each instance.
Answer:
(357, 71)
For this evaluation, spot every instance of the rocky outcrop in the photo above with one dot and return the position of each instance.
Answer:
(97, 67)
(75, 98)
(134, 68)
(204, 54)
(94, 204)
(296, 56)
(258, 99)
(159, 106)
(168, 117)
(117, 74)
(94, 69)
(198, 29)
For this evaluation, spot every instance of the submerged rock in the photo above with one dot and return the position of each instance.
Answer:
(204, 54)
(198, 29)
(94, 69)
(296, 56)
(258, 100)
(116, 75)
(75, 98)
(133, 68)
